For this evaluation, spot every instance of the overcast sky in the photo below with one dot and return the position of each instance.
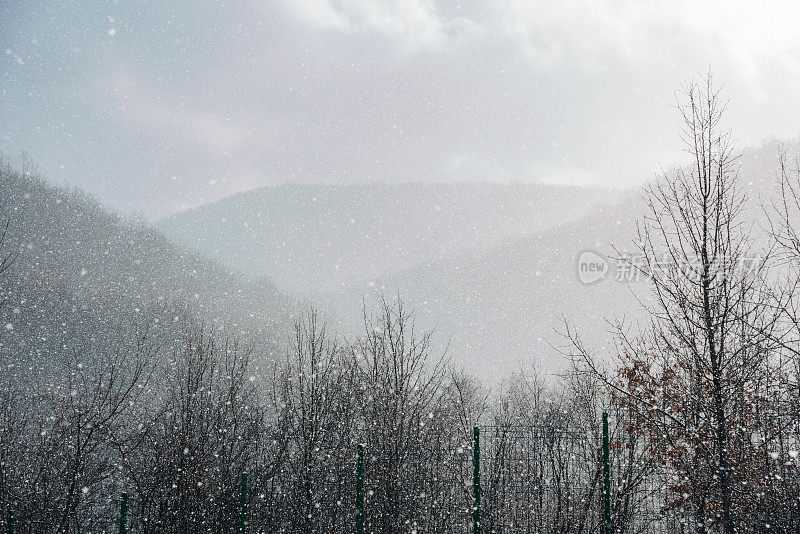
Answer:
(157, 106)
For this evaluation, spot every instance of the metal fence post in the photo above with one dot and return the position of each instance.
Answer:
(606, 478)
(476, 481)
(123, 514)
(12, 519)
(360, 491)
(243, 506)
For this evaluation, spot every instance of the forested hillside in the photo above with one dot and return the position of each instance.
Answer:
(82, 273)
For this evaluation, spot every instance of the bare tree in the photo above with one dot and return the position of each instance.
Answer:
(61, 459)
(690, 380)
(402, 380)
(197, 438)
(315, 391)
(6, 258)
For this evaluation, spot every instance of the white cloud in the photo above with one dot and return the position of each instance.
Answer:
(552, 33)
(745, 33)
(751, 33)
(558, 32)
(319, 14)
(413, 23)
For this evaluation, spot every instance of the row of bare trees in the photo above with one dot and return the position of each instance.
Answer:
(175, 426)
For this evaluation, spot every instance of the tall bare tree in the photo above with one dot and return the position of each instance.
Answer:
(691, 378)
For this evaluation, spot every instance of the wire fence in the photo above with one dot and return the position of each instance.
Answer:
(507, 480)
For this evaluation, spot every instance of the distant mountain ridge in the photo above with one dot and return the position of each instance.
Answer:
(487, 265)
(316, 238)
(491, 266)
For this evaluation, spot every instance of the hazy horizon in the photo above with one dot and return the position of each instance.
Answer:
(157, 108)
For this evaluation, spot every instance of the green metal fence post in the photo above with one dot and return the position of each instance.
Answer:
(360, 491)
(12, 519)
(243, 506)
(123, 514)
(476, 481)
(606, 478)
